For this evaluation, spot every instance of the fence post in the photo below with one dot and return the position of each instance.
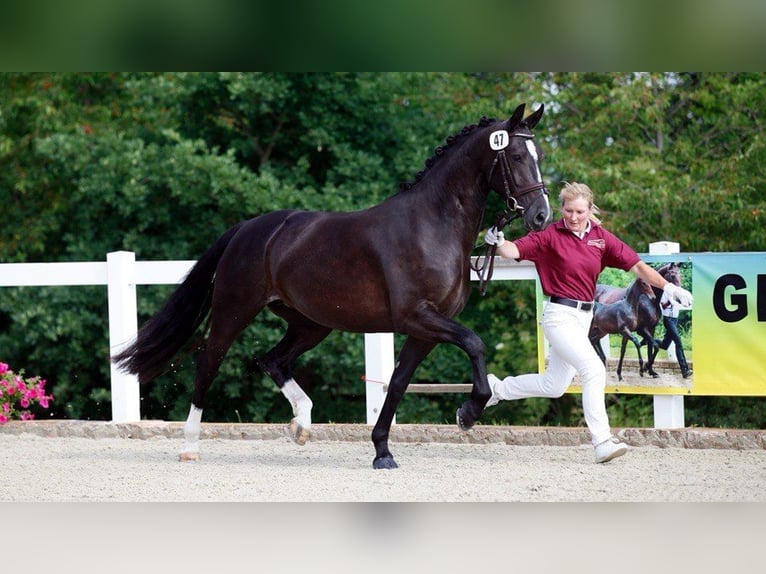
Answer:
(123, 325)
(378, 366)
(668, 409)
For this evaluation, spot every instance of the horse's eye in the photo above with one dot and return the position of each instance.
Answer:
(516, 157)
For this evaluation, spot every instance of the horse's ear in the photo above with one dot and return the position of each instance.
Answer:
(516, 118)
(532, 120)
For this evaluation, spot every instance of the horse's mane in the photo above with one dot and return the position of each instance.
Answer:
(441, 150)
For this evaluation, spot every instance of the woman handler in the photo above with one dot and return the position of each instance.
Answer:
(569, 255)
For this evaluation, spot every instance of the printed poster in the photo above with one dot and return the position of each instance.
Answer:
(724, 333)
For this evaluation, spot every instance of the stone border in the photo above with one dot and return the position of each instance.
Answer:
(692, 437)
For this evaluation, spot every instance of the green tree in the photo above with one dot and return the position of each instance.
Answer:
(162, 163)
(670, 156)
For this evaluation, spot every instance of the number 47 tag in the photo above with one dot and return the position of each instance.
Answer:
(499, 140)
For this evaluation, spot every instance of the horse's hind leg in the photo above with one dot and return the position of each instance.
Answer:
(208, 362)
(302, 335)
(596, 344)
(209, 359)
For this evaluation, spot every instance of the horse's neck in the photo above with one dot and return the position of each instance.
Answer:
(634, 293)
(451, 197)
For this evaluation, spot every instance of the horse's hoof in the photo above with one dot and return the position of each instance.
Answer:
(188, 456)
(298, 433)
(462, 422)
(385, 462)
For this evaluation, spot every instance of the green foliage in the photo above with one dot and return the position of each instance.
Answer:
(163, 163)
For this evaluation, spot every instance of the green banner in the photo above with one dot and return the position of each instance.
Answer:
(729, 335)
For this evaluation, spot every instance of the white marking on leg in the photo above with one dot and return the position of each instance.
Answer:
(300, 402)
(192, 429)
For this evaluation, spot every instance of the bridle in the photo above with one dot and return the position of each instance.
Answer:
(511, 189)
(513, 192)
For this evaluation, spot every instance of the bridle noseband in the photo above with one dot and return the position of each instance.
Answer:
(513, 192)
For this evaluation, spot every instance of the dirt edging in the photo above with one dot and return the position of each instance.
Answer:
(692, 437)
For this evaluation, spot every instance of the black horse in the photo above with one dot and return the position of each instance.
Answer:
(647, 314)
(411, 260)
(621, 318)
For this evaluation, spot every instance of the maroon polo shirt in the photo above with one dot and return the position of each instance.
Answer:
(569, 266)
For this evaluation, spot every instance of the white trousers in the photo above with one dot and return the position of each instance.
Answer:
(566, 329)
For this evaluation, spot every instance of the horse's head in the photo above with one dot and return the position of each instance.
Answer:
(671, 272)
(515, 173)
(637, 288)
(646, 289)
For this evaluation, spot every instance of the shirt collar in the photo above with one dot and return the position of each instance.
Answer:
(581, 234)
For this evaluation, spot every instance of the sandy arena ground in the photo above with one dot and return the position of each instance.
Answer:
(92, 462)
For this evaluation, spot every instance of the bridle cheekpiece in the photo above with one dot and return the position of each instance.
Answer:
(499, 141)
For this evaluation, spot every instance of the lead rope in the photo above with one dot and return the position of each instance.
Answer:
(485, 265)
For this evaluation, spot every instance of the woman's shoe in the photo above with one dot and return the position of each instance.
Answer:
(609, 449)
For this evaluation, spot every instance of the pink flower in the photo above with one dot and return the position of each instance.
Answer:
(18, 393)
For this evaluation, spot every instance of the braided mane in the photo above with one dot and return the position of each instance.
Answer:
(441, 150)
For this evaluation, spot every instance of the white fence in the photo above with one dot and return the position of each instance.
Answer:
(121, 273)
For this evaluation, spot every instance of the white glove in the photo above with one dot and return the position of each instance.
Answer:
(494, 237)
(679, 294)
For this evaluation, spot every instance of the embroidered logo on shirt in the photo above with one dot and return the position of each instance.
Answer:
(600, 243)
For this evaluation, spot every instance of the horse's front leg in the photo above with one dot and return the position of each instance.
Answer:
(637, 343)
(651, 354)
(412, 354)
(428, 324)
(622, 356)
(470, 411)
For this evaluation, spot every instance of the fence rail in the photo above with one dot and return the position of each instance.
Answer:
(121, 273)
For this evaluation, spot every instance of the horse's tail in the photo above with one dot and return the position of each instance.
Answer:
(162, 336)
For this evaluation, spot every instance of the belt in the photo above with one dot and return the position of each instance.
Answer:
(581, 305)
